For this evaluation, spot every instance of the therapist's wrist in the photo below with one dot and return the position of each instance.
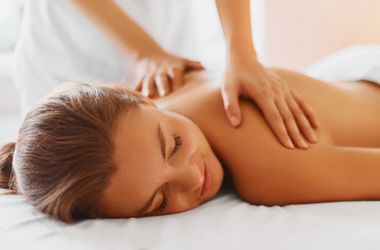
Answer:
(147, 52)
(242, 56)
(240, 45)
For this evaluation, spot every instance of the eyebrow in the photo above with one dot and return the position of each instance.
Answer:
(162, 143)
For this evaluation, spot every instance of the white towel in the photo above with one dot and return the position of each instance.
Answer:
(360, 62)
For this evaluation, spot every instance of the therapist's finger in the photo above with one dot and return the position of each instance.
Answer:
(148, 88)
(176, 77)
(306, 109)
(230, 98)
(274, 119)
(138, 86)
(290, 123)
(193, 65)
(267, 106)
(302, 121)
(162, 84)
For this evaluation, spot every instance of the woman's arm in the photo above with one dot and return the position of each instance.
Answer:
(119, 27)
(321, 174)
(236, 22)
(158, 72)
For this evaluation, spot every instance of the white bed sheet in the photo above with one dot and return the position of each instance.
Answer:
(225, 222)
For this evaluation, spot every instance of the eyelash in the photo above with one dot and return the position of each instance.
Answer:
(178, 143)
(164, 203)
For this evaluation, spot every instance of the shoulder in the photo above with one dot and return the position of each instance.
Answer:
(201, 91)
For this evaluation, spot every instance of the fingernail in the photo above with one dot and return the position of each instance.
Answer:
(304, 144)
(317, 125)
(234, 120)
(290, 144)
(313, 137)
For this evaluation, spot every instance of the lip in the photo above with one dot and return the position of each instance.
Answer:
(206, 180)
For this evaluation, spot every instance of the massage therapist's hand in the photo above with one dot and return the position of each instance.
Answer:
(159, 74)
(289, 116)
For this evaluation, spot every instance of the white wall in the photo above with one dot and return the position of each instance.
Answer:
(9, 97)
(299, 32)
(9, 20)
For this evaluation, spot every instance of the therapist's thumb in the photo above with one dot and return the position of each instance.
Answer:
(193, 65)
(230, 98)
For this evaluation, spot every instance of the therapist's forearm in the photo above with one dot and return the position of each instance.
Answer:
(236, 23)
(119, 27)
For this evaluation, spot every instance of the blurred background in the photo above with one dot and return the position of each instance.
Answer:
(10, 16)
(287, 33)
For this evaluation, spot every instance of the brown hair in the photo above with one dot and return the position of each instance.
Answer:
(62, 160)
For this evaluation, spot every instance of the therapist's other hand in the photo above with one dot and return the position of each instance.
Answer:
(288, 115)
(161, 73)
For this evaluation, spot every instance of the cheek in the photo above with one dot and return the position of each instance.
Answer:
(181, 207)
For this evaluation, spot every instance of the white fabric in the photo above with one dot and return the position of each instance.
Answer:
(9, 126)
(9, 99)
(58, 43)
(360, 62)
(223, 223)
(226, 222)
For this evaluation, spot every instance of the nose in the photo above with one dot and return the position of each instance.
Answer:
(189, 177)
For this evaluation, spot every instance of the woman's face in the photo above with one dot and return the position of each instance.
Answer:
(164, 165)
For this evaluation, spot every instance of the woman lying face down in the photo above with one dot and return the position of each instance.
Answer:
(90, 151)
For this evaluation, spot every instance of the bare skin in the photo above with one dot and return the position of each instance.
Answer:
(342, 165)
(160, 72)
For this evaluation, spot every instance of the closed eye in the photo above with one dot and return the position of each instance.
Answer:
(164, 203)
(177, 143)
